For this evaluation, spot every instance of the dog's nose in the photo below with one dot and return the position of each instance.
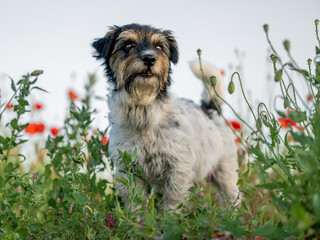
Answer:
(149, 60)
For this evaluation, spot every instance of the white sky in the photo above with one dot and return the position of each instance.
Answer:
(56, 35)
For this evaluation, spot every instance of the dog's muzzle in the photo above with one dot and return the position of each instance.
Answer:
(149, 60)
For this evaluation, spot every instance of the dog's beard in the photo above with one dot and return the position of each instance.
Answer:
(143, 87)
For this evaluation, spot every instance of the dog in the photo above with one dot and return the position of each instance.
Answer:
(178, 143)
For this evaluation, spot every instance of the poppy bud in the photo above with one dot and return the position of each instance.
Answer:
(213, 81)
(316, 22)
(278, 76)
(309, 61)
(274, 58)
(231, 87)
(199, 52)
(286, 45)
(36, 73)
(266, 28)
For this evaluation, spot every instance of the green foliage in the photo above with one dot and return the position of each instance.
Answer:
(65, 197)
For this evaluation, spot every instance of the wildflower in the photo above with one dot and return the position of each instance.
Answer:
(72, 95)
(309, 61)
(9, 106)
(202, 194)
(222, 72)
(58, 200)
(110, 221)
(310, 97)
(37, 106)
(31, 128)
(35, 220)
(34, 176)
(86, 217)
(209, 177)
(105, 140)
(20, 207)
(88, 138)
(50, 208)
(54, 131)
(70, 209)
(19, 189)
(40, 127)
(235, 125)
(288, 123)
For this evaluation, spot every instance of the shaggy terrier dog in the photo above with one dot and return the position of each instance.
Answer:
(178, 143)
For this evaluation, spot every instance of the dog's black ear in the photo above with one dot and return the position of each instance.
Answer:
(105, 45)
(174, 53)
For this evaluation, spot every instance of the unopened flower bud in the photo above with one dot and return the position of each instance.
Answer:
(199, 52)
(213, 81)
(278, 76)
(36, 73)
(58, 200)
(19, 189)
(274, 58)
(316, 22)
(231, 87)
(266, 28)
(309, 61)
(20, 207)
(286, 45)
(70, 209)
(34, 176)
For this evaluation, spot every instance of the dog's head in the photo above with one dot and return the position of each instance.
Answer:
(137, 60)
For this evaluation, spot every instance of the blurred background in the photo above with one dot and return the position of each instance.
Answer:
(55, 36)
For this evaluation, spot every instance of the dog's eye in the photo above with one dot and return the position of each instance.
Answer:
(159, 47)
(129, 46)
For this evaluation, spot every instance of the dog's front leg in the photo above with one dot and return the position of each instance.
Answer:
(175, 189)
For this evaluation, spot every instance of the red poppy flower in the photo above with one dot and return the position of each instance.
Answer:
(110, 221)
(235, 125)
(37, 106)
(288, 123)
(310, 97)
(31, 128)
(72, 95)
(9, 106)
(54, 131)
(40, 127)
(105, 140)
(222, 72)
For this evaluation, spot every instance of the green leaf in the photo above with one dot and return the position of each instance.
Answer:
(298, 116)
(13, 87)
(149, 220)
(301, 71)
(317, 50)
(14, 123)
(286, 103)
(79, 197)
(35, 227)
(281, 114)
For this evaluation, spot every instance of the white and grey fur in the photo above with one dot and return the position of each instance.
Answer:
(177, 143)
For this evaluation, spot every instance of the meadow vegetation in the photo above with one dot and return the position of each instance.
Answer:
(63, 195)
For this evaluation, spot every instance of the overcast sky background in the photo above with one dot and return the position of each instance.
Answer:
(56, 35)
